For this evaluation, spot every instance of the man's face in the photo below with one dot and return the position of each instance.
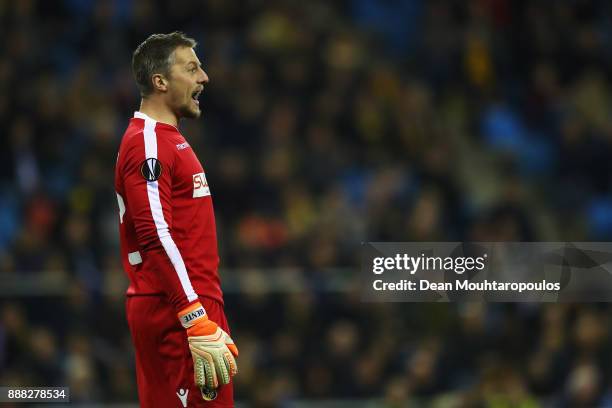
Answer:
(186, 81)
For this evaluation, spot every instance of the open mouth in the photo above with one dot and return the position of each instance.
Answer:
(195, 95)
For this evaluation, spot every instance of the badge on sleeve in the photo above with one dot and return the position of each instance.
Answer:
(151, 169)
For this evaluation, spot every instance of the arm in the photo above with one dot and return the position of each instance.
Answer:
(147, 175)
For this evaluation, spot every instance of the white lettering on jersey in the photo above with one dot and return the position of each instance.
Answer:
(200, 186)
(182, 394)
(182, 146)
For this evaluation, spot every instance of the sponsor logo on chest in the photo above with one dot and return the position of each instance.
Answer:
(200, 186)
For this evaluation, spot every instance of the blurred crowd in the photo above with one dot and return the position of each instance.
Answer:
(325, 124)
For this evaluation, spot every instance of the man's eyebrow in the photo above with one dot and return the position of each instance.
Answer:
(194, 63)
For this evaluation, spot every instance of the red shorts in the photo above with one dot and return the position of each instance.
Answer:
(164, 367)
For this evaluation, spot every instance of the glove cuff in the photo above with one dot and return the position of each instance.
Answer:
(192, 314)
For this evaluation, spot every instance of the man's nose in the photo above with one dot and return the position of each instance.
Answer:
(204, 78)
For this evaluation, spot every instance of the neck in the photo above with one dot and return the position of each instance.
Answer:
(153, 108)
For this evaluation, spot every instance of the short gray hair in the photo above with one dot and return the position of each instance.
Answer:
(155, 56)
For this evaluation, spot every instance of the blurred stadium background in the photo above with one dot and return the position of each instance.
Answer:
(326, 123)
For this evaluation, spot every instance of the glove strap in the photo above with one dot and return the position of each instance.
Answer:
(192, 314)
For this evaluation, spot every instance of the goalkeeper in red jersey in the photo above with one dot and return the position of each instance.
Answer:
(184, 354)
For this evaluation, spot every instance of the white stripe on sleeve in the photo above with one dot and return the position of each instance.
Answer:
(150, 138)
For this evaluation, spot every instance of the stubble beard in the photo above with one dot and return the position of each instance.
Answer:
(188, 112)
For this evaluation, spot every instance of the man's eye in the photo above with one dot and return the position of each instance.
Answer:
(193, 69)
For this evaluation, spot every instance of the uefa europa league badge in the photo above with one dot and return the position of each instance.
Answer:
(151, 169)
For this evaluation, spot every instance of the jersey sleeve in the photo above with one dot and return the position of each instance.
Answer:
(147, 173)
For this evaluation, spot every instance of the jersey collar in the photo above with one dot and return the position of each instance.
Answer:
(144, 116)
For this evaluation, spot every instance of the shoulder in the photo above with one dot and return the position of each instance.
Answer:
(147, 139)
(134, 134)
(152, 137)
(140, 142)
(167, 136)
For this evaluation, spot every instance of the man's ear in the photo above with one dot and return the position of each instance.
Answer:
(159, 82)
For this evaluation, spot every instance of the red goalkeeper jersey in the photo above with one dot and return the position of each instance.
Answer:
(166, 218)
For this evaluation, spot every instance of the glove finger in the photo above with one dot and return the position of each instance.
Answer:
(230, 344)
(232, 347)
(231, 364)
(222, 367)
(205, 375)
